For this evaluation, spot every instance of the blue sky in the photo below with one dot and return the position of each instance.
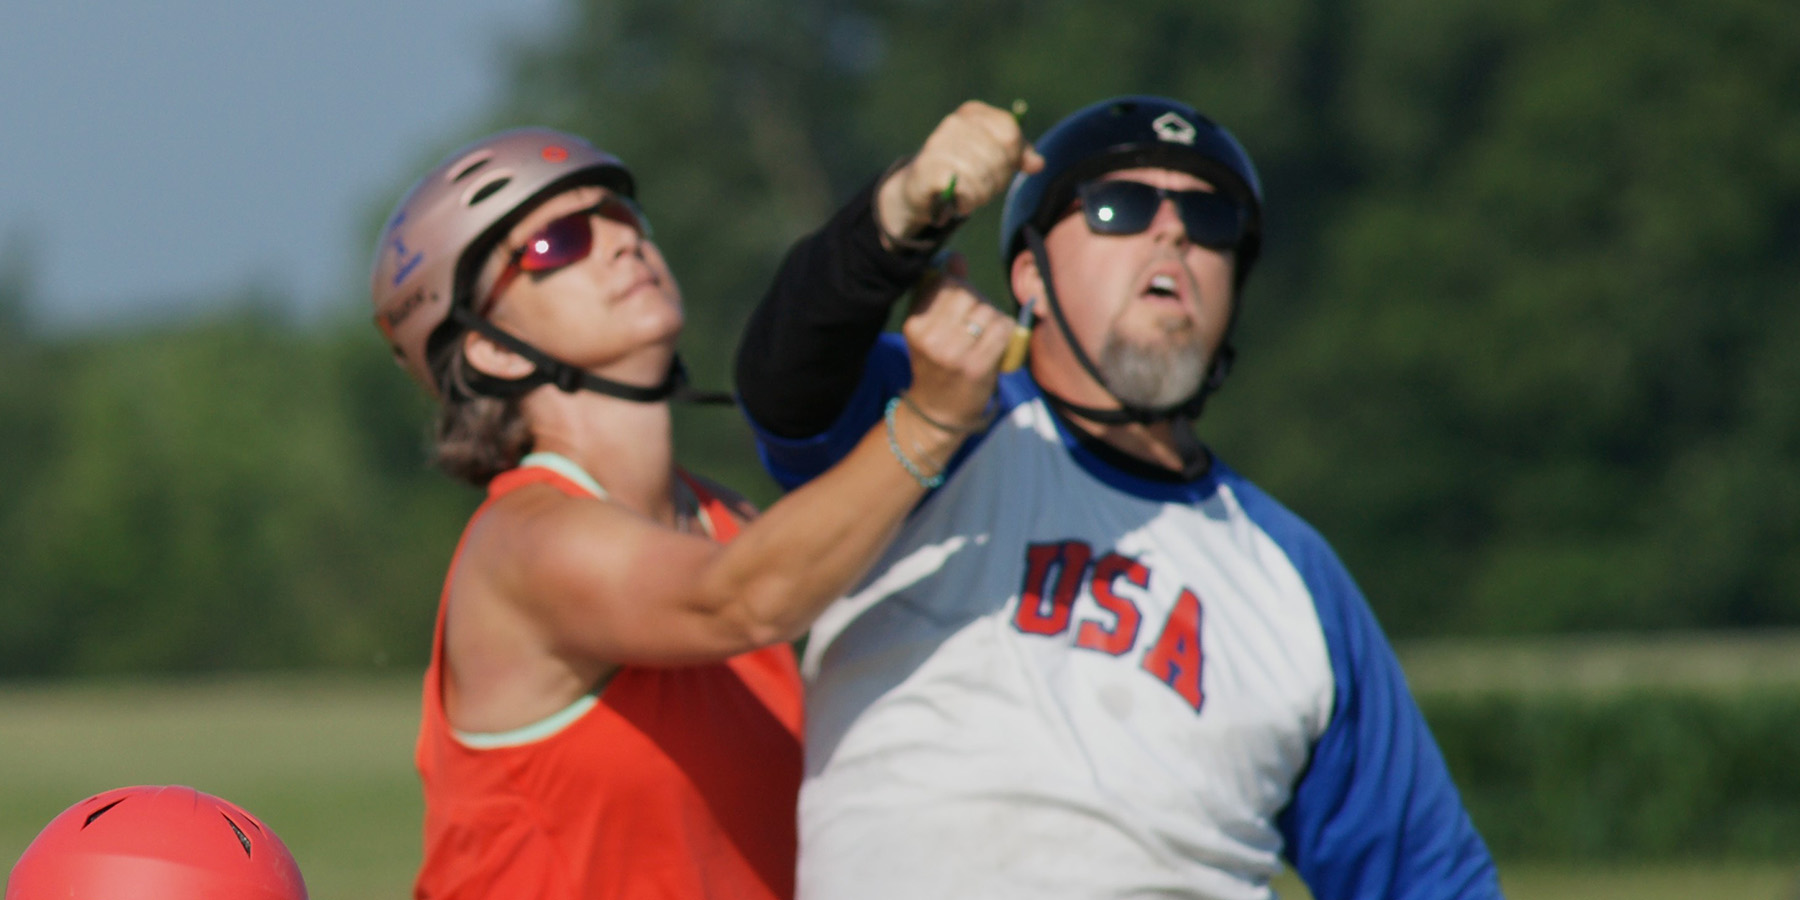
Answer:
(159, 155)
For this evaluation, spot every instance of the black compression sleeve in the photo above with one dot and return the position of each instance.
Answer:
(803, 351)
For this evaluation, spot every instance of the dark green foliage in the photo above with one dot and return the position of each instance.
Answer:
(221, 496)
(1532, 376)
(1645, 776)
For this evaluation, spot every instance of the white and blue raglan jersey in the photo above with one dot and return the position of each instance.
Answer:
(1064, 680)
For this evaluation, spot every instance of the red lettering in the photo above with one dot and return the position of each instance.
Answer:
(1070, 560)
(1177, 657)
(1123, 634)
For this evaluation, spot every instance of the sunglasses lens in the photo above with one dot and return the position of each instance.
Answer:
(624, 212)
(1211, 220)
(1118, 207)
(563, 242)
(1128, 207)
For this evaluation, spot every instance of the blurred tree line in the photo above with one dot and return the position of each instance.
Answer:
(1522, 344)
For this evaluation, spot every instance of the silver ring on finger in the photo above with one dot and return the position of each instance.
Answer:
(974, 328)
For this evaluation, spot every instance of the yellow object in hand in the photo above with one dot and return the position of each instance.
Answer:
(1016, 345)
(1020, 340)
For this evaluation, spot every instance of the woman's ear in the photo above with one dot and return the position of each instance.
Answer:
(493, 360)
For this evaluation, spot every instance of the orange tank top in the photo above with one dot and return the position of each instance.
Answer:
(675, 783)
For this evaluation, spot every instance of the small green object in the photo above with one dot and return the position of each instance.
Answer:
(943, 206)
(1019, 107)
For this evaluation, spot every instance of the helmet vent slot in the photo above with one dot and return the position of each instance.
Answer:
(489, 189)
(101, 812)
(241, 836)
(470, 169)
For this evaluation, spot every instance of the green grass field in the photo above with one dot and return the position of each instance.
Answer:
(1606, 664)
(328, 764)
(1660, 882)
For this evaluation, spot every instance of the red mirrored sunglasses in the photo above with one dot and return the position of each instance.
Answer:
(564, 241)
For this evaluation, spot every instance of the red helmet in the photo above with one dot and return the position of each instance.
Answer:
(155, 843)
(422, 260)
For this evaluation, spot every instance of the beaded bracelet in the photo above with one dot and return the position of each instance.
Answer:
(925, 481)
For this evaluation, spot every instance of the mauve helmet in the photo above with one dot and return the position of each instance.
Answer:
(155, 843)
(423, 261)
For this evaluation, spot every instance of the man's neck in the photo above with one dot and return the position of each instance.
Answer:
(1156, 444)
(1191, 458)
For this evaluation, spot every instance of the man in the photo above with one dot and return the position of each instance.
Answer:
(1096, 662)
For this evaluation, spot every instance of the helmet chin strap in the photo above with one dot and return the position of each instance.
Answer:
(1127, 413)
(548, 369)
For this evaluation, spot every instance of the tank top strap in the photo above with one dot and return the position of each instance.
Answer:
(536, 468)
(716, 516)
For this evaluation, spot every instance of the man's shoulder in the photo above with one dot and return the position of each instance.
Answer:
(1305, 546)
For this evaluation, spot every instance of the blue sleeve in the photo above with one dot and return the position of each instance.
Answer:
(1375, 815)
(793, 462)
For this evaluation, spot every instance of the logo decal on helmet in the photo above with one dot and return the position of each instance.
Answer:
(553, 153)
(408, 261)
(390, 319)
(1175, 129)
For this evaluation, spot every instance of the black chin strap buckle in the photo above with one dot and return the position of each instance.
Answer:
(567, 379)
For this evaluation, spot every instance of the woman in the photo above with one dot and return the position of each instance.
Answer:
(611, 709)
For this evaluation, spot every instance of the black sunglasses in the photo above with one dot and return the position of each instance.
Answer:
(1127, 207)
